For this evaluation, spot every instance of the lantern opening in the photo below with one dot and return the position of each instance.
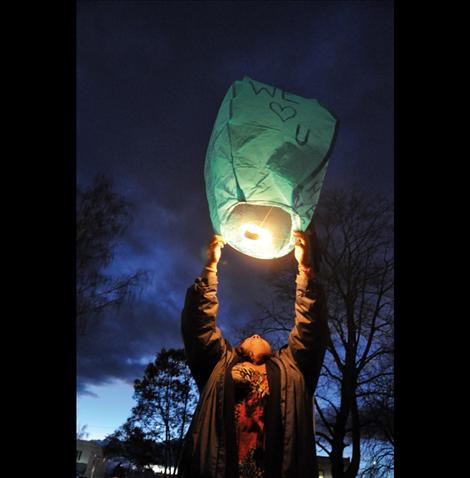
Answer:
(261, 231)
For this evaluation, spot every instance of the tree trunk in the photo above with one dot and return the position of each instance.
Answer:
(339, 428)
(353, 467)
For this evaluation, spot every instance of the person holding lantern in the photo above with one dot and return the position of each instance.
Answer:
(255, 416)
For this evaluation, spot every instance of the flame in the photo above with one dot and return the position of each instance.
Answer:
(252, 232)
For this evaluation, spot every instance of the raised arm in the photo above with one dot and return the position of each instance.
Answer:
(203, 341)
(309, 337)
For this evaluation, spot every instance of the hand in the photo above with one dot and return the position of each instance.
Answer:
(302, 248)
(214, 250)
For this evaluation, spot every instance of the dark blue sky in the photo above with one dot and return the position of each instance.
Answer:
(150, 79)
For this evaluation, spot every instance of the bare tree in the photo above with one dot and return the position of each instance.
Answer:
(355, 243)
(377, 419)
(82, 434)
(102, 217)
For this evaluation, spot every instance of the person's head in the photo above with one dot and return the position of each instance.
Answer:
(255, 348)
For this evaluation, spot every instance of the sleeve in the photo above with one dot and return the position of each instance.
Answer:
(203, 341)
(309, 337)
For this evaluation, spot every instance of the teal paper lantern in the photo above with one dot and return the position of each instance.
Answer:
(265, 166)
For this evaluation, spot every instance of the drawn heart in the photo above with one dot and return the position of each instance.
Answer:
(284, 113)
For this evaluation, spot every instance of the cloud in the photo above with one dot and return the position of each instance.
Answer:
(121, 343)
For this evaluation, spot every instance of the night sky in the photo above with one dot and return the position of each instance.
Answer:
(150, 79)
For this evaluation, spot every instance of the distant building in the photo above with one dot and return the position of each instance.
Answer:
(90, 460)
(324, 466)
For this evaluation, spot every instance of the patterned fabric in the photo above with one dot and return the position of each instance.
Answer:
(251, 395)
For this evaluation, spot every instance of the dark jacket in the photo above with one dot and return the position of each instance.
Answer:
(209, 356)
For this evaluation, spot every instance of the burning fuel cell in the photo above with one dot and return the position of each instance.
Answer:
(265, 166)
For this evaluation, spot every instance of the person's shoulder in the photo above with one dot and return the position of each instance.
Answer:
(279, 355)
(284, 355)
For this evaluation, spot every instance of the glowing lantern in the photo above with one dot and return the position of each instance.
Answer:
(265, 165)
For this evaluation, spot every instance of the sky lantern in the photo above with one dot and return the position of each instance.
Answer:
(265, 166)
